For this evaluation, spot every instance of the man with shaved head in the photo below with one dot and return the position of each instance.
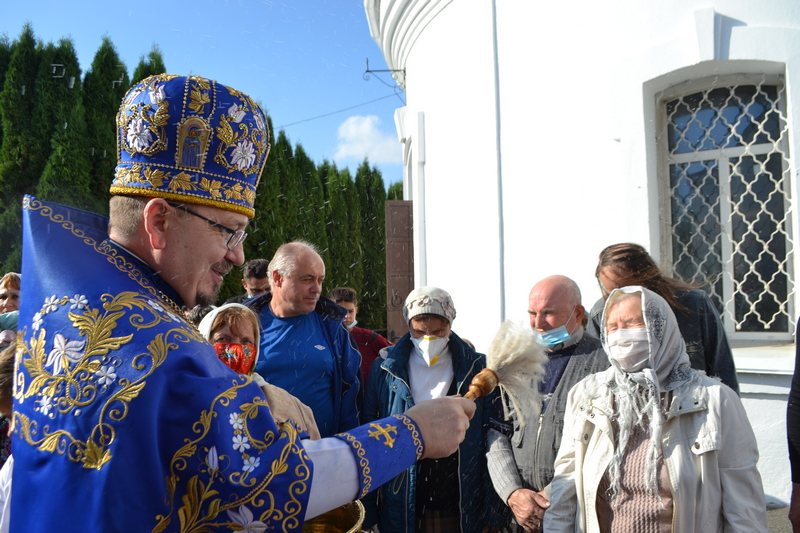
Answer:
(520, 459)
(305, 348)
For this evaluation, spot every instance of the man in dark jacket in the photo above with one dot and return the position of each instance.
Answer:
(520, 458)
(450, 494)
(304, 347)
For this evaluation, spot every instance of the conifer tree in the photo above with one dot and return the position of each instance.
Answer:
(372, 196)
(327, 172)
(311, 204)
(19, 155)
(65, 179)
(20, 160)
(149, 66)
(58, 88)
(395, 191)
(343, 229)
(264, 230)
(287, 200)
(6, 48)
(103, 88)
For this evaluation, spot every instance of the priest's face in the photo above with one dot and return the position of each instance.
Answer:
(199, 254)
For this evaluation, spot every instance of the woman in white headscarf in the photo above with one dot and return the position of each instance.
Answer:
(651, 445)
(233, 329)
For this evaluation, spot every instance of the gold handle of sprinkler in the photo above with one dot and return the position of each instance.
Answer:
(482, 384)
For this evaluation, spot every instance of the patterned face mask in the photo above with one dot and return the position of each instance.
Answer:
(240, 357)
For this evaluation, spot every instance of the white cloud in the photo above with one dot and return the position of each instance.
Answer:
(360, 136)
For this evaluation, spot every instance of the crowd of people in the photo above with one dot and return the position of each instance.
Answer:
(274, 407)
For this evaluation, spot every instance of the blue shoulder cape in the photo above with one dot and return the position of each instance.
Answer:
(125, 418)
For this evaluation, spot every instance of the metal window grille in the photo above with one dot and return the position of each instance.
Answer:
(726, 173)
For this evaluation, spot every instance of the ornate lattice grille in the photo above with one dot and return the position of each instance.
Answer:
(728, 177)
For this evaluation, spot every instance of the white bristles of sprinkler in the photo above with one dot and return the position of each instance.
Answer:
(518, 360)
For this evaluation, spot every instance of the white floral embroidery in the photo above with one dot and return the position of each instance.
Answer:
(139, 137)
(244, 518)
(240, 443)
(79, 301)
(157, 96)
(155, 306)
(46, 403)
(106, 375)
(64, 348)
(236, 421)
(173, 316)
(244, 155)
(50, 304)
(236, 113)
(212, 458)
(259, 120)
(37, 321)
(250, 464)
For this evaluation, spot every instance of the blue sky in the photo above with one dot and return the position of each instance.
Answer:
(301, 59)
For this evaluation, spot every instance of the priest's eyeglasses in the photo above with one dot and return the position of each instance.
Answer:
(237, 236)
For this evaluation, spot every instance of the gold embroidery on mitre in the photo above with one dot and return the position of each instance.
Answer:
(142, 125)
(241, 151)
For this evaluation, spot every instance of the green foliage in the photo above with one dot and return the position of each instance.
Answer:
(58, 91)
(61, 117)
(343, 268)
(311, 207)
(58, 141)
(103, 88)
(6, 48)
(20, 154)
(21, 160)
(372, 198)
(153, 64)
(64, 179)
(395, 191)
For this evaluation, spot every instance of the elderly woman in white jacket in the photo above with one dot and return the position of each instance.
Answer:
(651, 445)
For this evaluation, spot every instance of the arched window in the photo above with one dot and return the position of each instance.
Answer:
(725, 176)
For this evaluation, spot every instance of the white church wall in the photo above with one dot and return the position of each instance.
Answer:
(460, 196)
(579, 158)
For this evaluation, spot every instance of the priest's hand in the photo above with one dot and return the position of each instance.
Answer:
(443, 423)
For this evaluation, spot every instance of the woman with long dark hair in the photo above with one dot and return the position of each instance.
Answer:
(625, 264)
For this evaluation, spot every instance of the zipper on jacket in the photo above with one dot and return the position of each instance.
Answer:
(536, 452)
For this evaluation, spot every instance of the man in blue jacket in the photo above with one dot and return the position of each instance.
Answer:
(305, 349)
(454, 493)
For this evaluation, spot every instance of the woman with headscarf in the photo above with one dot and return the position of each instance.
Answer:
(651, 445)
(233, 330)
(624, 264)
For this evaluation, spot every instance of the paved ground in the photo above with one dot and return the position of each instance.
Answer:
(777, 521)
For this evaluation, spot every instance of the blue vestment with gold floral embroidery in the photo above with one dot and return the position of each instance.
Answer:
(126, 420)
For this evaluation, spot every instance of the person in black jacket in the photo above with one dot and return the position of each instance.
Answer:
(626, 264)
(793, 434)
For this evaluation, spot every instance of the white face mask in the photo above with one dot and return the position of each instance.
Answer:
(429, 347)
(629, 348)
(352, 325)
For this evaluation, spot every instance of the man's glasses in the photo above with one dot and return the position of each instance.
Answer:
(237, 235)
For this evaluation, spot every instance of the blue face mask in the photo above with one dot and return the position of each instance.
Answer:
(553, 337)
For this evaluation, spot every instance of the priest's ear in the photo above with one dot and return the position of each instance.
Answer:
(158, 218)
